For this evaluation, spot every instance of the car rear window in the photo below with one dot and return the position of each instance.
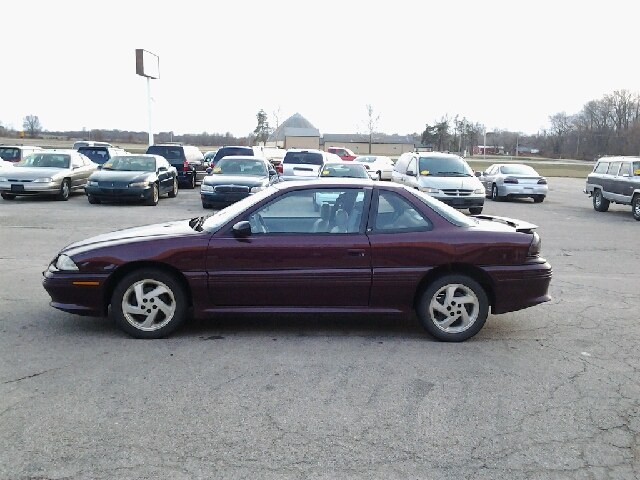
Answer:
(304, 158)
(97, 155)
(10, 153)
(168, 152)
(232, 152)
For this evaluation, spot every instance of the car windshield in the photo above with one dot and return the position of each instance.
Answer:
(445, 211)
(97, 155)
(341, 170)
(444, 167)
(131, 164)
(213, 223)
(304, 158)
(635, 168)
(9, 153)
(51, 160)
(518, 170)
(233, 166)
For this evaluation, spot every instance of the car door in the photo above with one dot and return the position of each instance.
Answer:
(283, 264)
(79, 172)
(488, 177)
(164, 175)
(608, 180)
(623, 183)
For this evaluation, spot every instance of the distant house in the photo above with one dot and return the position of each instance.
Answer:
(381, 144)
(295, 132)
(488, 150)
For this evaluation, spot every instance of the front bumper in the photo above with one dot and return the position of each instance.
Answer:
(460, 202)
(30, 188)
(116, 193)
(222, 199)
(73, 292)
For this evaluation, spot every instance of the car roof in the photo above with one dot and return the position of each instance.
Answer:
(20, 146)
(335, 182)
(242, 157)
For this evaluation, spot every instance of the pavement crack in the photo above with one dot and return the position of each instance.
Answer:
(30, 376)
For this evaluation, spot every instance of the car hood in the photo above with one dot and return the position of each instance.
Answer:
(119, 176)
(129, 235)
(244, 180)
(30, 173)
(470, 183)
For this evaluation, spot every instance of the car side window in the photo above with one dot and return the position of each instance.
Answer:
(317, 211)
(636, 169)
(396, 214)
(625, 169)
(412, 166)
(602, 167)
(613, 168)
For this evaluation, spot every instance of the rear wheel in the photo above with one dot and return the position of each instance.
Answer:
(494, 194)
(192, 182)
(379, 176)
(174, 190)
(600, 204)
(8, 196)
(538, 198)
(93, 200)
(149, 303)
(635, 207)
(475, 210)
(155, 196)
(65, 188)
(453, 308)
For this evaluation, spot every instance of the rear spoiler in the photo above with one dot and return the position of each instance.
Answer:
(519, 225)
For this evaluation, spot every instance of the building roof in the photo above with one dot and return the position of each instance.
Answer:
(295, 125)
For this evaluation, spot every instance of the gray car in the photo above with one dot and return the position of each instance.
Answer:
(50, 172)
(513, 180)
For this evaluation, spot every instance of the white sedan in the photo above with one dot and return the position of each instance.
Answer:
(379, 167)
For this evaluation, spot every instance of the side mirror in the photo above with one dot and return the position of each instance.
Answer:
(479, 174)
(209, 170)
(162, 169)
(272, 173)
(242, 229)
(411, 173)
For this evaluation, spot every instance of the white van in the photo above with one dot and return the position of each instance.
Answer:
(444, 176)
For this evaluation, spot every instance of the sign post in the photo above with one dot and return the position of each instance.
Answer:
(148, 65)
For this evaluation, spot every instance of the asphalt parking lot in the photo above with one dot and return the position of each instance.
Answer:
(550, 392)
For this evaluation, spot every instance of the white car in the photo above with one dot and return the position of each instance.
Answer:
(305, 164)
(379, 167)
(4, 164)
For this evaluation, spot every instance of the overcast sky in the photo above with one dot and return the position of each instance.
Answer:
(505, 64)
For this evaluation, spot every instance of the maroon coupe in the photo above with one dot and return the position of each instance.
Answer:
(371, 248)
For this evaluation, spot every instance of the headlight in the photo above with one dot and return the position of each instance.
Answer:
(430, 190)
(64, 262)
(92, 183)
(2, 179)
(206, 188)
(138, 184)
(43, 180)
(479, 190)
(257, 189)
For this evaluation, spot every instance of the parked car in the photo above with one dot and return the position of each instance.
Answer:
(378, 166)
(444, 176)
(305, 164)
(187, 160)
(343, 170)
(15, 153)
(343, 152)
(133, 177)
(405, 251)
(4, 164)
(234, 178)
(50, 172)
(101, 153)
(230, 151)
(90, 143)
(617, 180)
(513, 180)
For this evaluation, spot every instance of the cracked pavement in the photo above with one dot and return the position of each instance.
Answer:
(550, 392)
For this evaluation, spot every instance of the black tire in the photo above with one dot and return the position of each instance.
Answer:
(206, 205)
(494, 194)
(8, 196)
(135, 315)
(93, 200)
(65, 190)
(538, 199)
(437, 321)
(379, 176)
(635, 206)
(475, 210)
(600, 204)
(192, 182)
(174, 190)
(154, 197)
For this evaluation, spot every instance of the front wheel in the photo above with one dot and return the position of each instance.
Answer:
(93, 200)
(8, 196)
(635, 207)
(155, 196)
(475, 210)
(65, 188)
(149, 303)
(453, 308)
(174, 190)
(600, 204)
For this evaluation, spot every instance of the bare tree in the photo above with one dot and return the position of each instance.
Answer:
(31, 125)
(277, 114)
(371, 124)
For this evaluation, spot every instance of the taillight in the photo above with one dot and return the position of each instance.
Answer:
(510, 180)
(534, 247)
(185, 166)
(366, 167)
(542, 181)
(279, 168)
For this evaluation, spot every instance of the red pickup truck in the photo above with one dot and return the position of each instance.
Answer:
(342, 152)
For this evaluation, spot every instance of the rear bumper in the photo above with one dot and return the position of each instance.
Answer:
(523, 191)
(520, 286)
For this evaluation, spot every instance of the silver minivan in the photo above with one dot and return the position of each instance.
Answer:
(444, 176)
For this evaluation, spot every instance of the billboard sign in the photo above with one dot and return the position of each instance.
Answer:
(147, 64)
